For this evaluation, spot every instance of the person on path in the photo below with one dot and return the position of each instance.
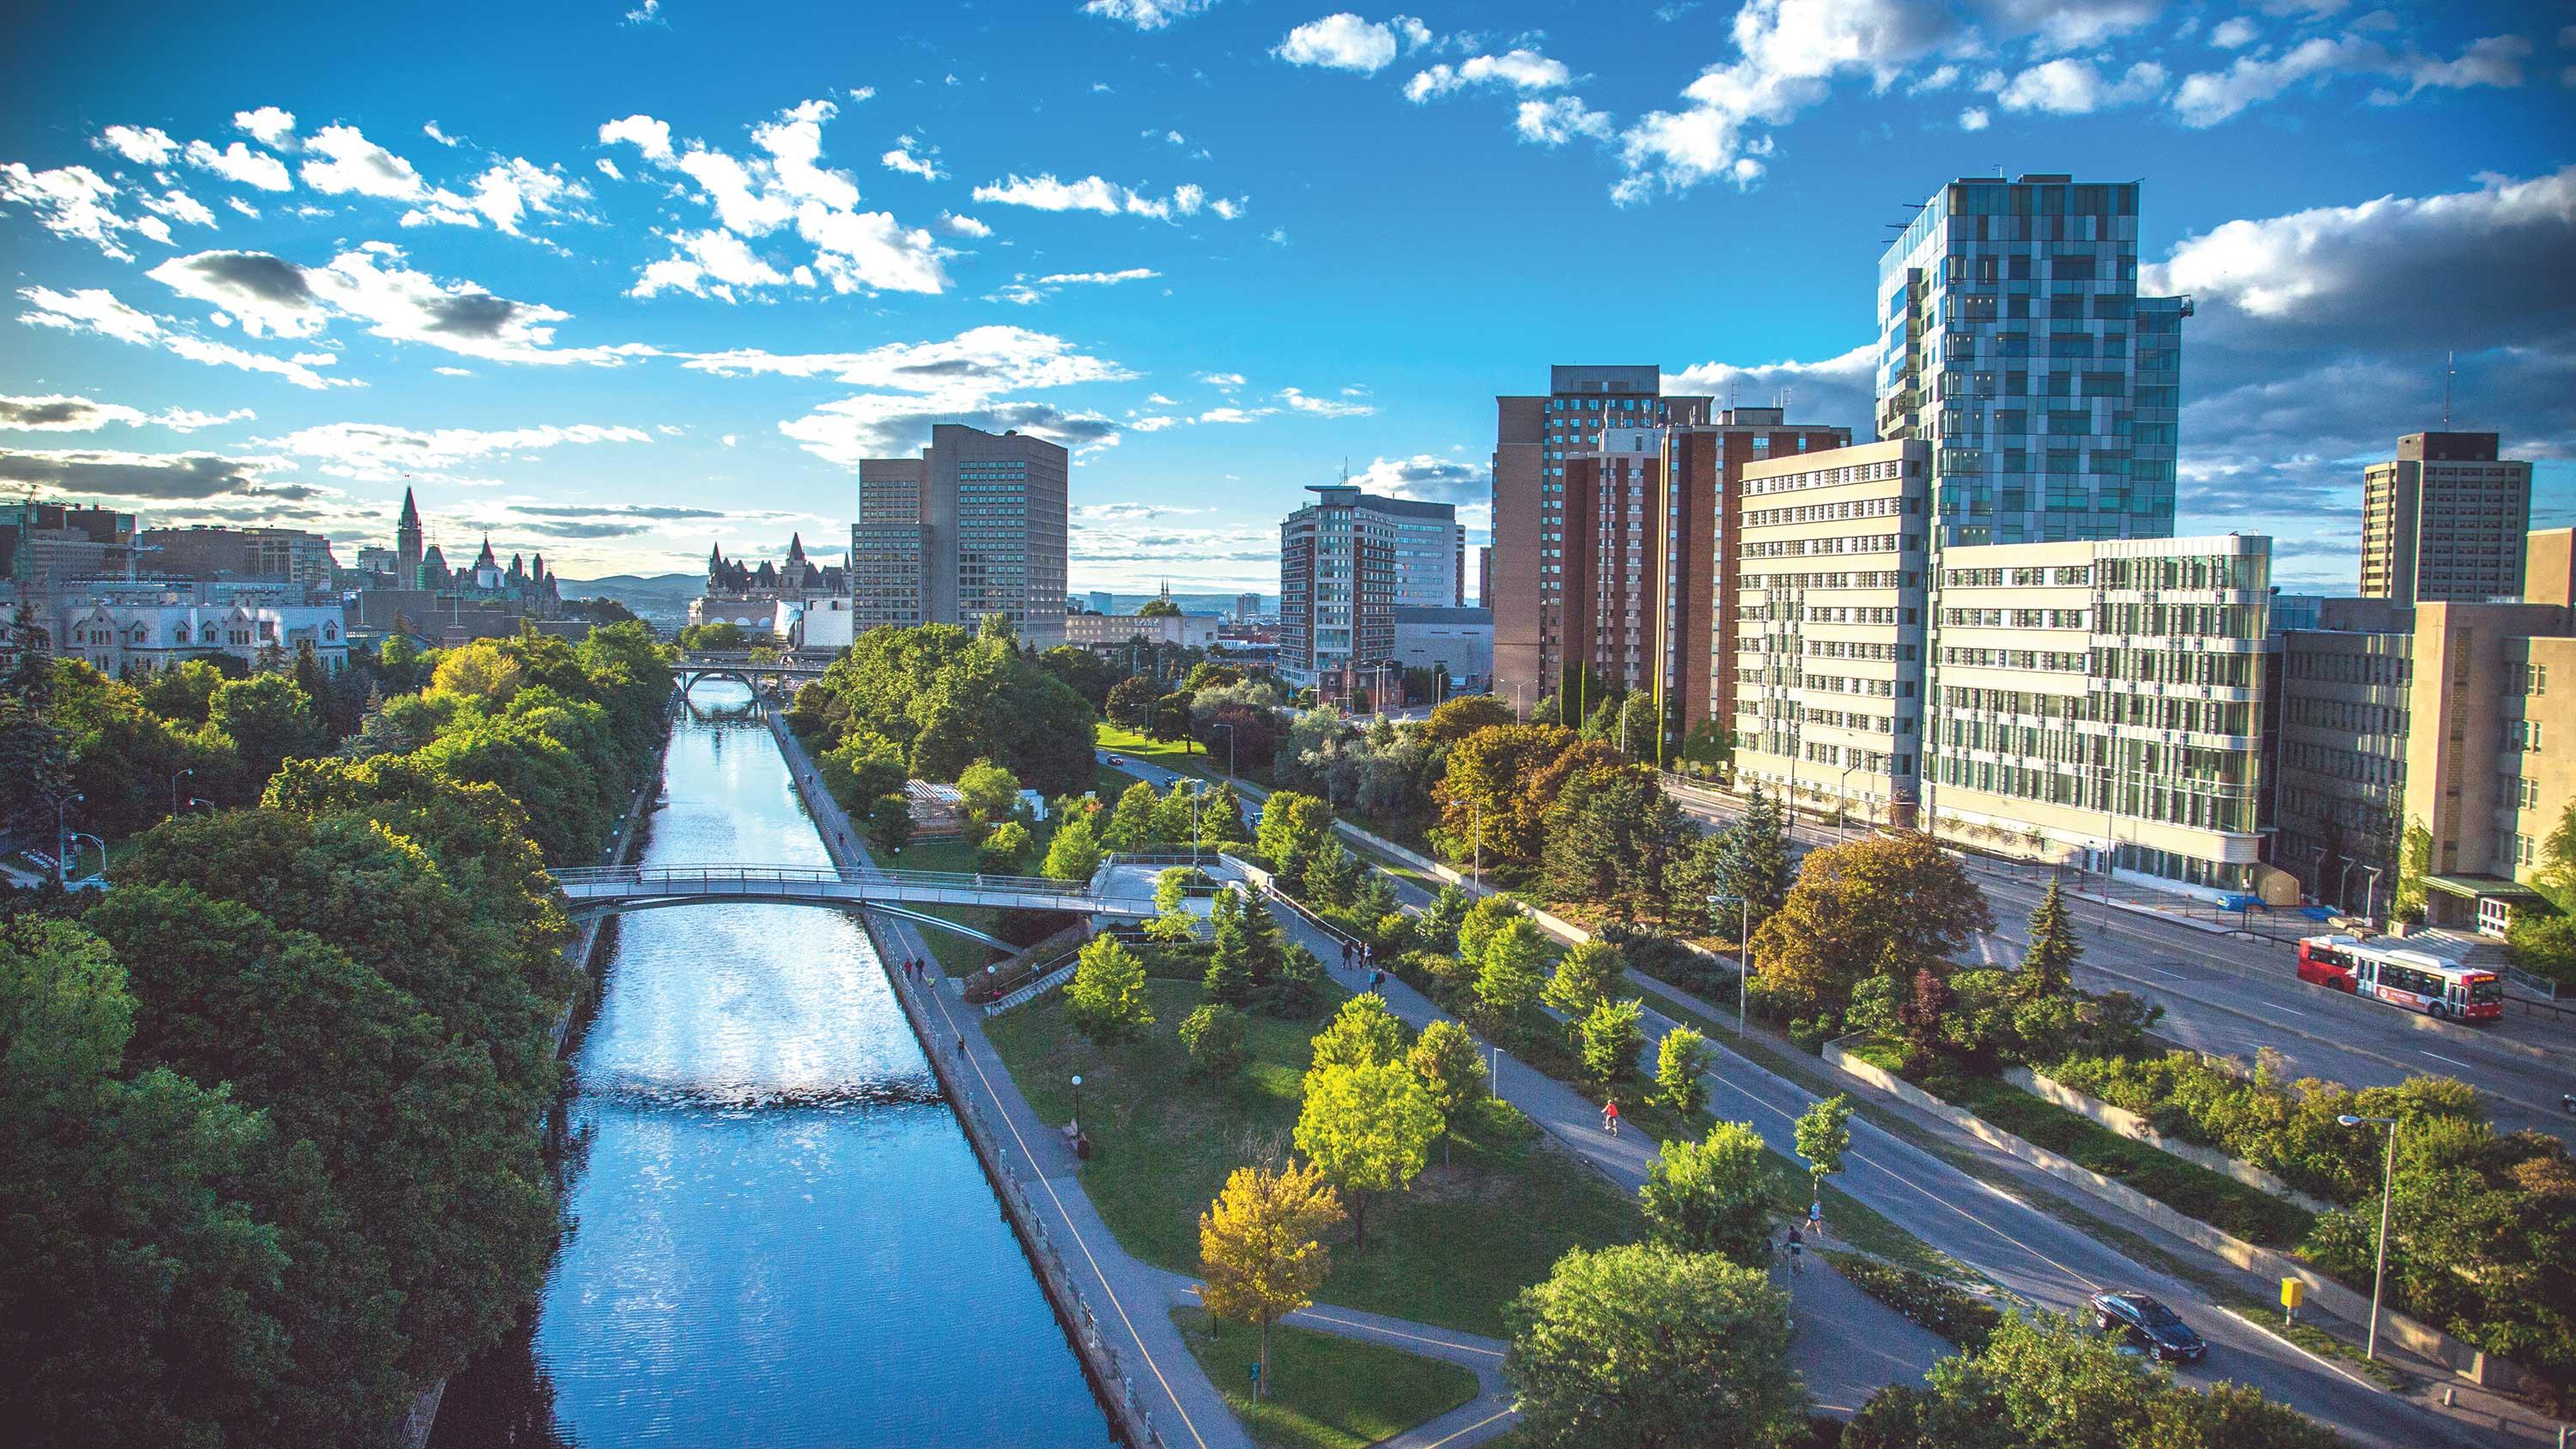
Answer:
(1377, 982)
(1796, 1247)
(1610, 1116)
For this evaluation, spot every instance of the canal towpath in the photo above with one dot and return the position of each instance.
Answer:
(1134, 1298)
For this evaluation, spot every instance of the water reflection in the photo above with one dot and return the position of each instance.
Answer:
(780, 1236)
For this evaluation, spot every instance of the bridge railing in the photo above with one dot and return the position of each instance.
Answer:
(791, 875)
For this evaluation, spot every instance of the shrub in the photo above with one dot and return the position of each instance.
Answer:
(1217, 1040)
(1945, 1308)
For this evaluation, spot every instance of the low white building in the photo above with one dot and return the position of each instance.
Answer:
(114, 638)
(1113, 631)
(823, 623)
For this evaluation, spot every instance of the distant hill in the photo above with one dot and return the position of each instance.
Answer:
(661, 600)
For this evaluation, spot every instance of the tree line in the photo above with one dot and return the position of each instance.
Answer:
(272, 1103)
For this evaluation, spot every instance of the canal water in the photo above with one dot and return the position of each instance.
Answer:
(780, 1235)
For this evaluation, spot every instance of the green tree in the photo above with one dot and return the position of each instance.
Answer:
(1613, 1035)
(1074, 854)
(1824, 1135)
(1681, 1064)
(1362, 1033)
(1436, 929)
(990, 793)
(1221, 817)
(1610, 836)
(1131, 824)
(1477, 928)
(268, 720)
(1249, 950)
(1753, 862)
(1170, 720)
(1292, 824)
(1175, 819)
(1172, 887)
(2048, 965)
(1217, 1039)
(889, 822)
(1106, 998)
(1641, 1347)
(1131, 702)
(1712, 1196)
(1890, 904)
(1451, 1069)
(1370, 1129)
(1158, 609)
(1589, 974)
(2406, 900)
(720, 637)
(1458, 718)
(1507, 981)
(1333, 875)
(1006, 850)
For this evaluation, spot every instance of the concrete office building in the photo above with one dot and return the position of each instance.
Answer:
(1535, 439)
(1829, 627)
(976, 525)
(1247, 608)
(1347, 561)
(2346, 687)
(2100, 703)
(2014, 341)
(1458, 640)
(2445, 519)
(201, 551)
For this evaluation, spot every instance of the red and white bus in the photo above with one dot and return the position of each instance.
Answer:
(2416, 980)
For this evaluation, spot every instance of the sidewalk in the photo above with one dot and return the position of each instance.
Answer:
(1185, 1408)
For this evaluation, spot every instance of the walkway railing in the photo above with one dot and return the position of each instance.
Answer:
(1055, 976)
(858, 885)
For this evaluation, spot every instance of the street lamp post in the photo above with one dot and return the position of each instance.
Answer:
(1476, 809)
(2343, 886)
(62, 873)
(1228, 727)
(1743, 950)
(77, 837)
(2370, 892)
(174, 788)
(1077, 1103)
(2387, 1174)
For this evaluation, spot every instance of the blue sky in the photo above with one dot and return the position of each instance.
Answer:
(616, 283)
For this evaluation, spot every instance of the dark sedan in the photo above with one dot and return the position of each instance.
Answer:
(2149, 1324)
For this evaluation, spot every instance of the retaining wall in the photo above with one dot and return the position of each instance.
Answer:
(2130, 1125)
(2325, 1293)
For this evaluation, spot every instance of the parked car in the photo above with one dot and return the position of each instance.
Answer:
(1115, 760)
(2154, 1328)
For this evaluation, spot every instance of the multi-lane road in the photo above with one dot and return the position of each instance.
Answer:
(2234, 997)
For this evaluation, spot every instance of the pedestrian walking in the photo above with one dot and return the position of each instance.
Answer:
(1377, 982)
(1796, 1248)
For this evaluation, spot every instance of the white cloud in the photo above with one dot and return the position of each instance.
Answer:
(1145, 14)
(854, 251)
(2206, 98)
(1521, 70)
(956, 225)
(905, 158)
(348, 162)
(1152, 424)
(648, 13)
(609, 169)
(142, 145)
(2234, 33)
(1233, 415)
(1341, 41)
(1974, 118)
(176, 205)
(1426, 478)
(1226, 380)
(1044, 192)
(645, 134)
(268, 125)
(1790, 53)
(875, 425)
(1837, 390)
(2073, 87)
(96, 310)
(76, 202)
(708, 263)
(453, 371)
(1939, 78)
(988, 359)
(244, 207)
(515, 187)
(59, 414)
(377, 453)
(239, 163)
(1559, 119)
(2071, 24)
(430, 129)
(1104, 279)
(1323, 407)
(371, 284)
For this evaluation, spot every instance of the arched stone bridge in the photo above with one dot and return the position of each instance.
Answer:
(744, 670)
(612, 890)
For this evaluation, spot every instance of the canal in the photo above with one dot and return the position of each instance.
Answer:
(779, 1235)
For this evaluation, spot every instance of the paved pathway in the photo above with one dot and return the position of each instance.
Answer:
(1847, 1343)
(1131, 1299)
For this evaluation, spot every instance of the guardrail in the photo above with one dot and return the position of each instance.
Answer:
(809, 874)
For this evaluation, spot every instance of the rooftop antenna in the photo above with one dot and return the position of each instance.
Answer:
(2450, 369)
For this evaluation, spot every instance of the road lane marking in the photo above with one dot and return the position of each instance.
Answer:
(2454, 1061)
(1399, 1333)
(1470, 1429)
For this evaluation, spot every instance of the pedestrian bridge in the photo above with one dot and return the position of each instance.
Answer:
(743, 669)
(613, 890)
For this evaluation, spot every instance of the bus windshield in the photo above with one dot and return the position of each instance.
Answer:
(2485, 989)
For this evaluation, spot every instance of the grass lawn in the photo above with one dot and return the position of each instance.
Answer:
(1453, 1250)
(1181, 755)
(1327, 1392)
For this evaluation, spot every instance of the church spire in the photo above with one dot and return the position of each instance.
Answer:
(410, 513)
